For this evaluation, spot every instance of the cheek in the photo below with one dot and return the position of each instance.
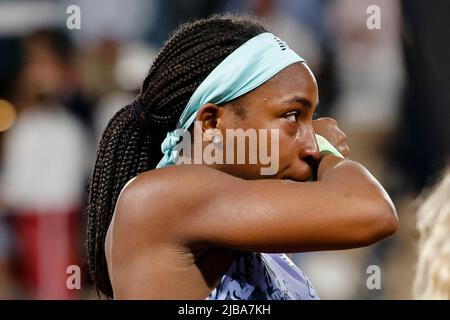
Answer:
(284, 141)
(291, 133)
(287, 147)
(300, 134)
(292, 137)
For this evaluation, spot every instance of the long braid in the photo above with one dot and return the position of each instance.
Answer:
(126, 149)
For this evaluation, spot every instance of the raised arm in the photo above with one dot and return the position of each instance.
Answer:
(345, 208)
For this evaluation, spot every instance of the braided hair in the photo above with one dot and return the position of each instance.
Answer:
(128, 148)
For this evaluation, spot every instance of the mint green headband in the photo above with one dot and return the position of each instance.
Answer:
(246, 68)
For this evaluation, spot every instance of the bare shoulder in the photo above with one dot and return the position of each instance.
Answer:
(179, 182)
(159, 197)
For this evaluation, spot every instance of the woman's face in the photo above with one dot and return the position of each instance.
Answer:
(286, 103)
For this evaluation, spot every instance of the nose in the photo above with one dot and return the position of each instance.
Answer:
(310, 152)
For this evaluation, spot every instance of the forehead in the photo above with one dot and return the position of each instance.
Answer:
(295, 80)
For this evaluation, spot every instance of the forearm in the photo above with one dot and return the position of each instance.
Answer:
(357, 184)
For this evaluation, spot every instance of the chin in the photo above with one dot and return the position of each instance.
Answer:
(295, 180)
(301, 177)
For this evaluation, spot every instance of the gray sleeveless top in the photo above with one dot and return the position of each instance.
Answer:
(263, 276)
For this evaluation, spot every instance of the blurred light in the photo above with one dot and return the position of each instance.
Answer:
(7, 115)
(132, 65)
(20, 17)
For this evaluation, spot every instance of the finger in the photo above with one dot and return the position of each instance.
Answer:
(337, 137)
(344, 150)
(342, 137)
(330, 121)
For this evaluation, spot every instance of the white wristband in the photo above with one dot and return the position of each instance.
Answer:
(326, 147)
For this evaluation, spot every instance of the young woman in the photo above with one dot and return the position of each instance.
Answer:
(217, 231)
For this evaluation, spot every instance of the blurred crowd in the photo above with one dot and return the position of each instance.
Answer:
(387, 88)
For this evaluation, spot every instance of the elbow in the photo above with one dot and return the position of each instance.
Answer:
(387, 223)
(383, 222)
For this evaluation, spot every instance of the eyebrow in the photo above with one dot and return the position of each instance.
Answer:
(301, 100)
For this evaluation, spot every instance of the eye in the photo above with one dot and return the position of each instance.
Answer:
(292, 115)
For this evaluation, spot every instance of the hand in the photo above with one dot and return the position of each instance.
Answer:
(328, 128)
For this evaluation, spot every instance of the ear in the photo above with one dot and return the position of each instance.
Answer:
(209, 115)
